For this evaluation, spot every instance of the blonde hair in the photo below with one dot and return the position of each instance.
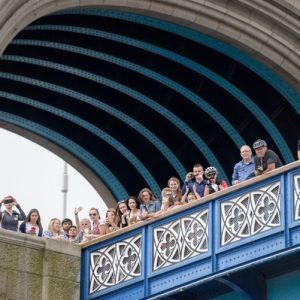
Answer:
(50, 226)
(87, 221)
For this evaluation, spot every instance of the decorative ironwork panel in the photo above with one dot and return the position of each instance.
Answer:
(297, 196)
(250, 214)
(115, 264)
(180, 239)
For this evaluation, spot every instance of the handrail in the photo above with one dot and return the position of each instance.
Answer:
(223, 232)
(203, 200)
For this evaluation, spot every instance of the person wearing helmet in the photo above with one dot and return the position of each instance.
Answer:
(244, 169)
(265, 160)
(213, 183)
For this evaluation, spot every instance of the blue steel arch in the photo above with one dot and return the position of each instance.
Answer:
(238, 94)
(94, 164)
(197, 100)
(200, 144)
(165, 151)
(95, 130)
(268, 75)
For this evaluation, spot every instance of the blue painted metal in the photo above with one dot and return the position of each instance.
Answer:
(199, 143)
(264, 72)
(239, 95)
(95, 130)
(95, 165)
(152, 138)
(197, 100)
(220, 260)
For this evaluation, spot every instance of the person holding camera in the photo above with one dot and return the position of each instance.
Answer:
(9, 218)
(265, 160)
(195, 178)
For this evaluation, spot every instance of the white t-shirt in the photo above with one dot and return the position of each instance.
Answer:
(30, 226)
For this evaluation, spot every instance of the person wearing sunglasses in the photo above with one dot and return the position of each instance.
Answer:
(85, 233)
(98, 226)
(9, 218)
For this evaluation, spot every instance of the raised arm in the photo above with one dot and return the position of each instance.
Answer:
(76, 212)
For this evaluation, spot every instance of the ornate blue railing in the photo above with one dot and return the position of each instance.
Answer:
(228, 230)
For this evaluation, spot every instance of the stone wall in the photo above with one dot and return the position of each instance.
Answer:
(36, 268)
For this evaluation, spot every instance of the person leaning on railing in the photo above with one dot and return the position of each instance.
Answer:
(54, 230)
(134, 215)
(72, 233)
(98, 228)
(111, 221)
(244, 169)
(149, 205)
(167, 202)
(122, 213)
(174, 185)
(9, 218)
(265, 160)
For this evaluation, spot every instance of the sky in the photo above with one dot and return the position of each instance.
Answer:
(34, 176)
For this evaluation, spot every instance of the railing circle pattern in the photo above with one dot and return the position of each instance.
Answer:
(250, 214)
(180, 239)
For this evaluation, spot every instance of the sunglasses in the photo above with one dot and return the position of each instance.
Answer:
(93, 215)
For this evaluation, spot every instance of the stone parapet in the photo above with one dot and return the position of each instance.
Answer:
(36, 268)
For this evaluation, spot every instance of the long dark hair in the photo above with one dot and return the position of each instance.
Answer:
(38, 221)
(119, 214)
(137, 201)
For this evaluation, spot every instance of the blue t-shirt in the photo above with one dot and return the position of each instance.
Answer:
(243, 171)
(200, 186)
(152, 207)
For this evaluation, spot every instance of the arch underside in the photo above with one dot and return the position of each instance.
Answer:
(138, 100)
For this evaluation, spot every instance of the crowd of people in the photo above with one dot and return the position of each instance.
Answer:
(197, 184)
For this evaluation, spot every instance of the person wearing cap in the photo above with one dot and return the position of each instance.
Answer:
(244, 169)
(265, 160)
(9, 218)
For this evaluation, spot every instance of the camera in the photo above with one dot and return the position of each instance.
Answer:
(7, 201)
(260, 168)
